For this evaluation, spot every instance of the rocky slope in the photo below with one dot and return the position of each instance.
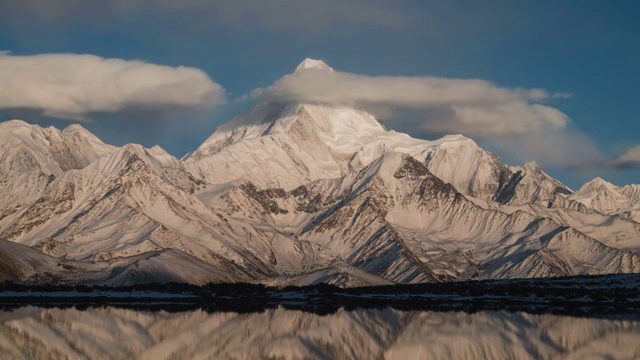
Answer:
(23, 264)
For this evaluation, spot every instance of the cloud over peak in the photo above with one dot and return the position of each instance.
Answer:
(518, 122)
(445, 105)
(74, 86)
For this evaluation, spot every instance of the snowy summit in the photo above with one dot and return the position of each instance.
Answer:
(313, 64)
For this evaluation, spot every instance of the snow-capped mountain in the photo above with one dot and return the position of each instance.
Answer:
(398, 221)
(314, 64)
(285, 146)
(610, 199)
(301, 142)
(32, 157)
(298, 193)
(122, 205)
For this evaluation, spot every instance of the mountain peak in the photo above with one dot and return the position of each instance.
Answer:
(75, 128)
(14, 122)
(533, 168)
(133, 149)
(312, 64)
(596, 185)
(131, 153)
(19, 128)
(598, 181)
(162, 155)
(532, 165)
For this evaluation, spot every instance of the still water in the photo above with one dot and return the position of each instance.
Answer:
(104, 333)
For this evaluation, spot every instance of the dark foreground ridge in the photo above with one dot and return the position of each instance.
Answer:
(581, 295)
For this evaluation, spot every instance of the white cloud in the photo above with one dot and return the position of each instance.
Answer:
(273, 14)
(518, 123)
(631, 158)
(568, 148)
(73, 86)
(475, 107)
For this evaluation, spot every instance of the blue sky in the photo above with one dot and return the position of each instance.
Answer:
(587, 49)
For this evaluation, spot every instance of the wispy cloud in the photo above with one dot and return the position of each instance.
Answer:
(307, 15)
(71, 86)
(629, 159)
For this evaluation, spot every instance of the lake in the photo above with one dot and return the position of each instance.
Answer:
(118, 333)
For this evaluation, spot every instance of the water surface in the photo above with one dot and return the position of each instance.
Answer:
(103, 333)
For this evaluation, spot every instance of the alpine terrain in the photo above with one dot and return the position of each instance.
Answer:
(297, 194)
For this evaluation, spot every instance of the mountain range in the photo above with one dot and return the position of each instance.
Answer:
(296, 194)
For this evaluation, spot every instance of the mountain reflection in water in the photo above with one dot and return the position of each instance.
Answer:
(102, 333)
